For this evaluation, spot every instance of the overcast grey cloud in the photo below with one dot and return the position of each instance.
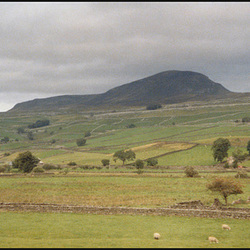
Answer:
(52, 48)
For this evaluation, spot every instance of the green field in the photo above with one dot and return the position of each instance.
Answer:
(121, 189)
(44, 230)
(176, 135)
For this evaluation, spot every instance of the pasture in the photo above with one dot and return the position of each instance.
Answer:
(176, 135)
(61, 230)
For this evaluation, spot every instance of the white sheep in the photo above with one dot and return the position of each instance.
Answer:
(157, 236)
(212, 239)
(226, 227)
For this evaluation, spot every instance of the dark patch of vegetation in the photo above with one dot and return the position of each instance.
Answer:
(152, 162)
(80, 142)
(220, 148)
(191, 172)
(153, 106)
(105, 162)
(39, 123)
(131, 126)
(246, 119)
(25, 162)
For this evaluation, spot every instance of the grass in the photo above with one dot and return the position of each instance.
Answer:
(131, 190)
(36, 230)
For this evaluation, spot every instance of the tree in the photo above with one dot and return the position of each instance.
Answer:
(122, 155)
(25, 162)
(220, 148)
(81, 142)
(225, 187)
(139, 164)
(248, 147)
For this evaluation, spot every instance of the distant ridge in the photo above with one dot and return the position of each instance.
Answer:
(167, 87)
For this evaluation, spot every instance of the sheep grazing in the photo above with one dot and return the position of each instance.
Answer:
(226, 227)
(212, 239)
(157, 236)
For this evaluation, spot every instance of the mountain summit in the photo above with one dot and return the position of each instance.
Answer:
(164, 88)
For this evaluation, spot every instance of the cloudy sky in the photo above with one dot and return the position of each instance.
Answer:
(52, 48)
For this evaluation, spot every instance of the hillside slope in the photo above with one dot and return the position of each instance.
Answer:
(166, 87)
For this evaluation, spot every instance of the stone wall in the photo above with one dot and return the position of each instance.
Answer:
(243, 213)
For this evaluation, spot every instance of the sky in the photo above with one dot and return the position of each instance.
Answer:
(67, 48)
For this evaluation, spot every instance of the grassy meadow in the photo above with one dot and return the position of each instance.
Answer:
(61, 230)
(176, 135)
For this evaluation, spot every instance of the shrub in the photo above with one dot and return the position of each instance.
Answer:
(80, 142)
(153, 106)
(71, 163)
(139, 164)
(105, 162)
(191, 172)
(131, 126)
(87, 134)
(152, 162)
(38, 169)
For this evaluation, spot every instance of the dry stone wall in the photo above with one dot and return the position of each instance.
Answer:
(208, 212)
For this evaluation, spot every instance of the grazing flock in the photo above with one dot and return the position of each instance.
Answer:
(211, 239)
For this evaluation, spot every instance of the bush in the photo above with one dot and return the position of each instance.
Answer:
(71, 163)
(191, 172)
(131, 126)
(105, 162)
(80, 142)
(38, 169)
(152, 162)
(139, 164)
(87, 134)
(153, 106)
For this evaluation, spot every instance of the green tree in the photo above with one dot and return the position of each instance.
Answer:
(122, 155)
(220, 148)
(81, 142)
(225, 187)
(248, 147)
(139, 164)
(25, 162)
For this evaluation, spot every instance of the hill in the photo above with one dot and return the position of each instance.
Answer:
(165, 88)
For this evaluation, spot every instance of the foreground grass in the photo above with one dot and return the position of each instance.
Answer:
(32, 230)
